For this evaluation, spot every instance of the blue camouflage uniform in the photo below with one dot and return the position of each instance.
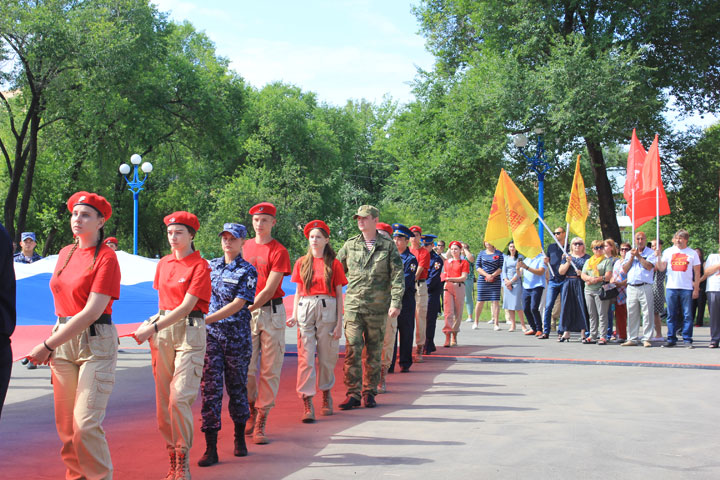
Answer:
(406, 319)
(229, 343)
(435, 291)
(20, 258)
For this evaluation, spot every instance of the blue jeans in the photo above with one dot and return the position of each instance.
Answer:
(679, 306)
(553, 290)
(531, 302)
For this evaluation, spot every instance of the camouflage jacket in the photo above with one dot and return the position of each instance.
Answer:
(375, 277)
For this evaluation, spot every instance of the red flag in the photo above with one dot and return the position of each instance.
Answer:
(649, 181)
(636, 157)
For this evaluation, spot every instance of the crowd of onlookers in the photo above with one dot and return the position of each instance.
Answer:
(605, 291)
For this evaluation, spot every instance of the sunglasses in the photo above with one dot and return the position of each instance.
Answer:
(624, 249)
(577, 244)
(599, 247)
(558, 233)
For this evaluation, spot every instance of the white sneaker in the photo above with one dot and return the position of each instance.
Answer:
(490, 321)
(496, 328)
(468, 319)
(475, 326)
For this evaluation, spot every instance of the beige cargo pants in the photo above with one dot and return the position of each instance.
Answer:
(317, 319)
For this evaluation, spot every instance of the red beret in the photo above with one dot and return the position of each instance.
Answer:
(92, 200)
(415, 228)
(384, 226)
(266, 208)
(456, 243)
(316, 224)
(183, 218)
(111, 240)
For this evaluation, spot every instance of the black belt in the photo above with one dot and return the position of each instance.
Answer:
(104, 319)
(419, 282)
(191, 315)
(638, 284)
(274, 303)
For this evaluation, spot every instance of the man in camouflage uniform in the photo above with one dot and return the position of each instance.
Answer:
(229, 342)
(374, 292)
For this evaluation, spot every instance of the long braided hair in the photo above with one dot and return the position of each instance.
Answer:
(306, 267)
(77, 243)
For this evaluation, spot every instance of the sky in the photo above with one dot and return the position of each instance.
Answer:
(339, 49)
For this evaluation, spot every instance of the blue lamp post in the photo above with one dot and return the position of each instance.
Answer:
(135, 186)
(539, 165)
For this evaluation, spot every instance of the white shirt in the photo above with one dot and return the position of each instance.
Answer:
(680, 265)
(713, 281)
(638, 274)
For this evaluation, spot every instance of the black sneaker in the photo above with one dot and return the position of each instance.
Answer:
(369, 401)
(668, 344)
(349, 403)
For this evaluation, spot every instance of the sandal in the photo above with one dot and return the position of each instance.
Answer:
(602, 341)
(588, 341)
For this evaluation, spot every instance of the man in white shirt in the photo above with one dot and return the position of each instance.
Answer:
(639, 265)
(683, 284)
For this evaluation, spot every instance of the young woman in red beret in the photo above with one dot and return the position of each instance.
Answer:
(82, 349)
(177, 337)
(318, 311)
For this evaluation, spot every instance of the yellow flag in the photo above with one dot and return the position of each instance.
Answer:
(512, 218)
(577, 211)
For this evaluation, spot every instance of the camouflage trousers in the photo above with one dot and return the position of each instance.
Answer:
(364, 335)
(229, 348)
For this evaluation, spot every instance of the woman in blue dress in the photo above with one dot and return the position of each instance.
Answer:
(512, 288)
(488, 265)
(573, 316)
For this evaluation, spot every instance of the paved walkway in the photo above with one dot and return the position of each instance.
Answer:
(501, 405)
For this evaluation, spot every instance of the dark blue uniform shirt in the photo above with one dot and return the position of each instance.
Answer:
(20, 258)
(237, 279)
(410, 265)
(436, 268)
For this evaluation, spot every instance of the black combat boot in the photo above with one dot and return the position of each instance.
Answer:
(240, 447)
(210, 457)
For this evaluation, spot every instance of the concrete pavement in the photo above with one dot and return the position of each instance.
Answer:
(500, 405)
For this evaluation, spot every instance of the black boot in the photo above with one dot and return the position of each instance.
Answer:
(240, 447)
(210, 457)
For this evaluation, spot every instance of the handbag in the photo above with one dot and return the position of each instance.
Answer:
(608, 291)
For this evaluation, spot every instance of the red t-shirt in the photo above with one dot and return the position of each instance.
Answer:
(455, 268)
(423, 259)
(319, 287)
(271, 257)
(174, 278)
(72, 289)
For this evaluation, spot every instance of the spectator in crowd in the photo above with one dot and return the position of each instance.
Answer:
(619, 278)
(611, 253)
(659, 311)
(533, 275)
(488, 265)
(596, 271)
(712, 276)
(698, 304)
(573, 316)
(27, 253)
(683, 284)
(469, 282)
(553, 260)
(639, 264)
(512, 288)
(440, 249)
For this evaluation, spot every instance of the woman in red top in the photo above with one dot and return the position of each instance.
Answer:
(318, 311)
(83, 343)
(455, 273)
(177, 337)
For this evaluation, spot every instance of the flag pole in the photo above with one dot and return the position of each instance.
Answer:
(567, 234)
(558, 243)
(633, 215)
(657, 212)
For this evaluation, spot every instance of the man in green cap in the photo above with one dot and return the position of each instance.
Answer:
(375, 288)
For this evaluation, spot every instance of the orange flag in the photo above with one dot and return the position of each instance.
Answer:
(577, 211)
(648, 181)
(512, 218)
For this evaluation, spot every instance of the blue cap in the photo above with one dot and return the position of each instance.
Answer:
(428, 239)
(25, 235)
(237, 230)
(400, 230)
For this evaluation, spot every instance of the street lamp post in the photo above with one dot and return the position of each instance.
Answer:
(539, 165)
(135, 186)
